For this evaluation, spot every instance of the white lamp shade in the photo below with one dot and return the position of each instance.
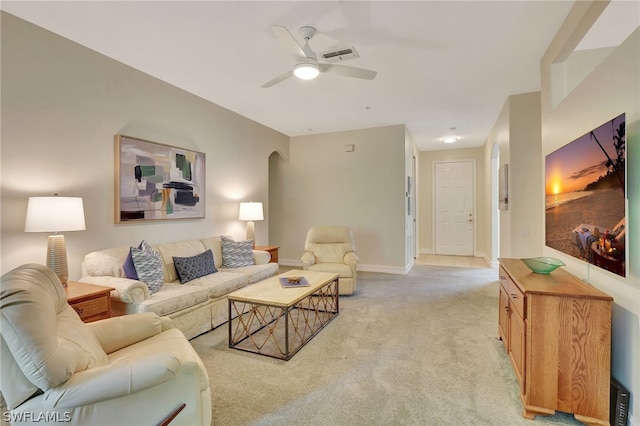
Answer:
(251, 211)
(54, 214)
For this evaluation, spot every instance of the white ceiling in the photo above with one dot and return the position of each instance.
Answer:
(440, 64)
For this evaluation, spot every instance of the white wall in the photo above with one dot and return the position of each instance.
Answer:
(525, 173)
(62, 104)
(500, 137)
(517, 133)
(612, 87)
(321, 184)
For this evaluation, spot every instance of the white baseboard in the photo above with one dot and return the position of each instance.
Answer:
(289, 262)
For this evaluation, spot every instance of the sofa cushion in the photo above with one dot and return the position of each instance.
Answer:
(342, 269)
(329, 253)
(174, 297)
(221, 283)
(215, 244)
(106, 262)
(148, 264)
(236, 253)
(190, 268)
(184, 248)
(16, 387)
(257, 272)
(172, 341)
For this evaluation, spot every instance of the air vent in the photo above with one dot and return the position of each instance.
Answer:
(340, 55)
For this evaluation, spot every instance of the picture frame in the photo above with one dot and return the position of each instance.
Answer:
(154, 181)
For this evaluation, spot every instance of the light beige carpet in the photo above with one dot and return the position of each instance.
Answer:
(420, 349)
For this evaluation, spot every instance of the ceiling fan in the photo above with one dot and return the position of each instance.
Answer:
(307, 66)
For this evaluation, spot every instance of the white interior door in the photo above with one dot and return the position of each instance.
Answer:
(454, 208)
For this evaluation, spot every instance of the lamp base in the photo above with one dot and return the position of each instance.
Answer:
(251, 232)
(57, 257)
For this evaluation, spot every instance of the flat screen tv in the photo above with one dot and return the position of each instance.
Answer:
(585, 213)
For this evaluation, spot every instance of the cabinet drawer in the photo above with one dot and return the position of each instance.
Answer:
(92, 307)
(516, 297)
(505, 282)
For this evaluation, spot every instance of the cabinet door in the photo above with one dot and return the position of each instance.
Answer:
(503, 317)
(516, 345)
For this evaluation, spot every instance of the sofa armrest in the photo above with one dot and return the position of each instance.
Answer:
(308, 259)
(122, 378)
(261, 257)
(350, 258)
(118, 332)
(126, 290)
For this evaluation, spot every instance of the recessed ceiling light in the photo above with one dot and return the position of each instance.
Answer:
(449, 139)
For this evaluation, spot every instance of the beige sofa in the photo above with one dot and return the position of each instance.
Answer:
(57, 370)
(196, 306)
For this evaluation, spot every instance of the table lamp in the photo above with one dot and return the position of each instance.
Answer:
(251, 211)
(55, 214)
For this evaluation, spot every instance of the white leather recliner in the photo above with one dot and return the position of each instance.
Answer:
(332, 249)
(128, 370)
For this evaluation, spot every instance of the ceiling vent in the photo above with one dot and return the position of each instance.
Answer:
(339, 55)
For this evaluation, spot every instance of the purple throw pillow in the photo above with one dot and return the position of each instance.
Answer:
(128, 266)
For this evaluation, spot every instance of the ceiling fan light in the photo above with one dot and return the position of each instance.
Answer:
(306, 71)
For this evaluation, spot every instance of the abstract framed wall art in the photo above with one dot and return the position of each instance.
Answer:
(157, 182)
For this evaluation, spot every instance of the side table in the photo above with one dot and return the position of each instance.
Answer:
(273, 251)
(92, 302)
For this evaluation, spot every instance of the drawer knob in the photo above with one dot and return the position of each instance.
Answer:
(514, 296)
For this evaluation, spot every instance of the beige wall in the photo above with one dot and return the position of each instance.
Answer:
(425, 195)
(612, 87)
(517, 134)
(321, 184)
(62, 104)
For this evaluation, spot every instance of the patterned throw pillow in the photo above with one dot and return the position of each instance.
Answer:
(190, 268)
(148, 263)
(236, 253)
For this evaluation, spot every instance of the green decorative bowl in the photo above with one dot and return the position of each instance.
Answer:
(543, 265)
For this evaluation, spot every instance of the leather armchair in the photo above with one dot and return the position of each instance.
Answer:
(332, 249)
(55, 369)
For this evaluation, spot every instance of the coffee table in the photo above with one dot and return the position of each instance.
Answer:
(269, 319)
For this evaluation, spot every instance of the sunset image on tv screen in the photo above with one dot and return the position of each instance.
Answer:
(585, 197)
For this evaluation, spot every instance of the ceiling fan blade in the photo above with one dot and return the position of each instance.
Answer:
(348, 71)
(282, 77)
(288, 40)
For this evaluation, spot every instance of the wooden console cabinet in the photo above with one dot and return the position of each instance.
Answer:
(557, 332)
